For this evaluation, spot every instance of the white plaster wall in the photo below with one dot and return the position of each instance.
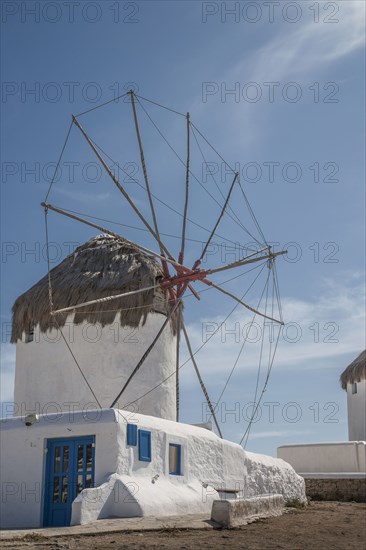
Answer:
(270, 476)
(122, 497)
(356, 404)
(208, 464)
(48, 380)
(126, 486)
(23, 461)
(325, 457)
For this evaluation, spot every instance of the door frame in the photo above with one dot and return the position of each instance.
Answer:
(48, 444)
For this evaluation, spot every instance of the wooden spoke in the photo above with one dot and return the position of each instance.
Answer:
(144, 170)
(210, 283)
(220, 217)
(121, 188)
(119, 237)
(246, 260)
(181, 255)
(106, 299)
(177, 392)
(173, 286)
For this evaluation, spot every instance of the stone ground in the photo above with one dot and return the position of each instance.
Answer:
(321, 525)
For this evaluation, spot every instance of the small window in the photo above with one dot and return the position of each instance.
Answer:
(175, 463)
(132, 434)
(29, 335)
(354, 388)
(144, 445)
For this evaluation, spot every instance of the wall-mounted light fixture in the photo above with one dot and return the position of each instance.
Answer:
(31, 419)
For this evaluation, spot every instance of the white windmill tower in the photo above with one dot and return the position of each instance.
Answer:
(74, 360)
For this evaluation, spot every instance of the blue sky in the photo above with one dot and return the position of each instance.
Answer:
(280, 95)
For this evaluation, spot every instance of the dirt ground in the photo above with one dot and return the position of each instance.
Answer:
(319, 526)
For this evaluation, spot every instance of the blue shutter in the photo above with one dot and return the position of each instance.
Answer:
(145, 445)
(131, 434)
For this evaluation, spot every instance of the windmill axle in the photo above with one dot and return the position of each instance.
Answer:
(169, 282)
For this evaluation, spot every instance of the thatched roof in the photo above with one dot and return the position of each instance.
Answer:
(355, 372)
(101, 267)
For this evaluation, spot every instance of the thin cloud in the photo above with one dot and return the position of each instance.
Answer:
(308, 47)
(80, 196)
(336, 313)
(283, 433)
(317, 331)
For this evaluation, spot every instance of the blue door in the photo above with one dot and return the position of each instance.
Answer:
(69, 470)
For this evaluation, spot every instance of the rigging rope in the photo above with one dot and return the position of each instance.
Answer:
(242, 190)
(146, 230)
(274, 274)
(163, 107)
(59, 160)
(114, 100)
(194, 127)
(213, 148)
(243, 345)
(157, 198)
(219, 218)
(277, 291)
(252, 213)
(261, 352)
(247, 431)
(159, 105)
(122, 190)
(184, 164)
(77, 363)
(203, 387)
(109, 232)
(269, 368)
(51, 310)
(218, 187)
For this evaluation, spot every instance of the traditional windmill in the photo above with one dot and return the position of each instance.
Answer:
(140, 284)
(353, 380)
(101, 332)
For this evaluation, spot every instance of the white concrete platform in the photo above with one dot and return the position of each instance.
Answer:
(233, 513)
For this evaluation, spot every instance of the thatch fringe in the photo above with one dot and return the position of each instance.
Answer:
(355, 372)
(101, 267)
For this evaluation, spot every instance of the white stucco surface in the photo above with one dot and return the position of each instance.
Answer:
(268, 475)
(342, 457)
(126, 486)
(356, 405)
(23, 460)
(233, 513)
(48, 380)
